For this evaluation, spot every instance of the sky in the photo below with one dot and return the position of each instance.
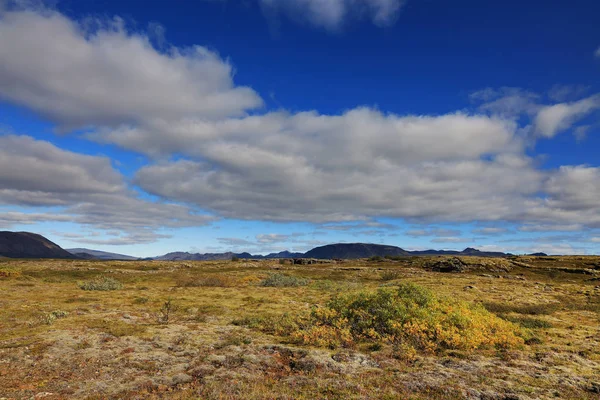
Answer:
(266, 125)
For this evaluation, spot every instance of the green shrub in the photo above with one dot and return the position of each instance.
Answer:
(52, 316)
(166, 312)
(390, 275)
(282, 280)
(140, 300)
(411, 317)
(101, 283)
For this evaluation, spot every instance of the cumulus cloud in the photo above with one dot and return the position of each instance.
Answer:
(553, 119)
(440, 232)
(357, 165)
(572, 194)
(36, 172)
(87, 188)
(10, 218)
(547, 120)
(99, 73)
(451, 239)
(490, 231)
(331, 14)
(270, 238)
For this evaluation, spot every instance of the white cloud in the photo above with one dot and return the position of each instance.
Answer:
(87, 189)
(550, 228)
(553, 119)
(507, 101)
(38, 173)
(100, 74)
(490, 231)
(331, 14)
(571, 198)
(440, 232)
(451, 239)
(357, 165)
(597, 52)
(547, 120)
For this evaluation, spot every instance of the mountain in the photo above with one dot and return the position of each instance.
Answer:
(29, 245)
(354, 250)
(469, 251)
(99, 255)
(285, 254)
(332, 251)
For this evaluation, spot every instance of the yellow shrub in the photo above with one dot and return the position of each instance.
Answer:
(409, 317)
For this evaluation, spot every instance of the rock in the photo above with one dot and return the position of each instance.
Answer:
(453, 264)
(470, 287)
(181, 378)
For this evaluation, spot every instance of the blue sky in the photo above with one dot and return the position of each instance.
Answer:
(264, 125)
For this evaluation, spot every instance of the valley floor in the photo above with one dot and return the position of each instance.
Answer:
(187, 330)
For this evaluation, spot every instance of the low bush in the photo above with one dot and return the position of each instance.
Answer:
(9, 272)
(167, 312)
(52, 316)
(282, 280)
(390, 275)
(408, 317)
(102, 283)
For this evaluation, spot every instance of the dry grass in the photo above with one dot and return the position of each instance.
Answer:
(229, 337)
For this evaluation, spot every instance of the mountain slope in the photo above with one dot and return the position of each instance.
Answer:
(29, 245)
(354, 250)
(100, 255)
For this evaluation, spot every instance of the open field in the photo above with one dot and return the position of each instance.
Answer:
(262, 329)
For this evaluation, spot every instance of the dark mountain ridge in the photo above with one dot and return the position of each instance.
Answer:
(29, 245)
(334, 251)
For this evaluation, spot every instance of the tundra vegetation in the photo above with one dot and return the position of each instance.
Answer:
(488, 328)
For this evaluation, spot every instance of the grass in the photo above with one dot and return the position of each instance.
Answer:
(102, 283)
(356, 329)
(529, 309)
(283, 280)
(115, 327)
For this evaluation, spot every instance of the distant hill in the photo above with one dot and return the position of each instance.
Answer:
(469, 251)
(99, 255)
(354, 250)
(285, 254)
(29, 245)
(332, 251)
